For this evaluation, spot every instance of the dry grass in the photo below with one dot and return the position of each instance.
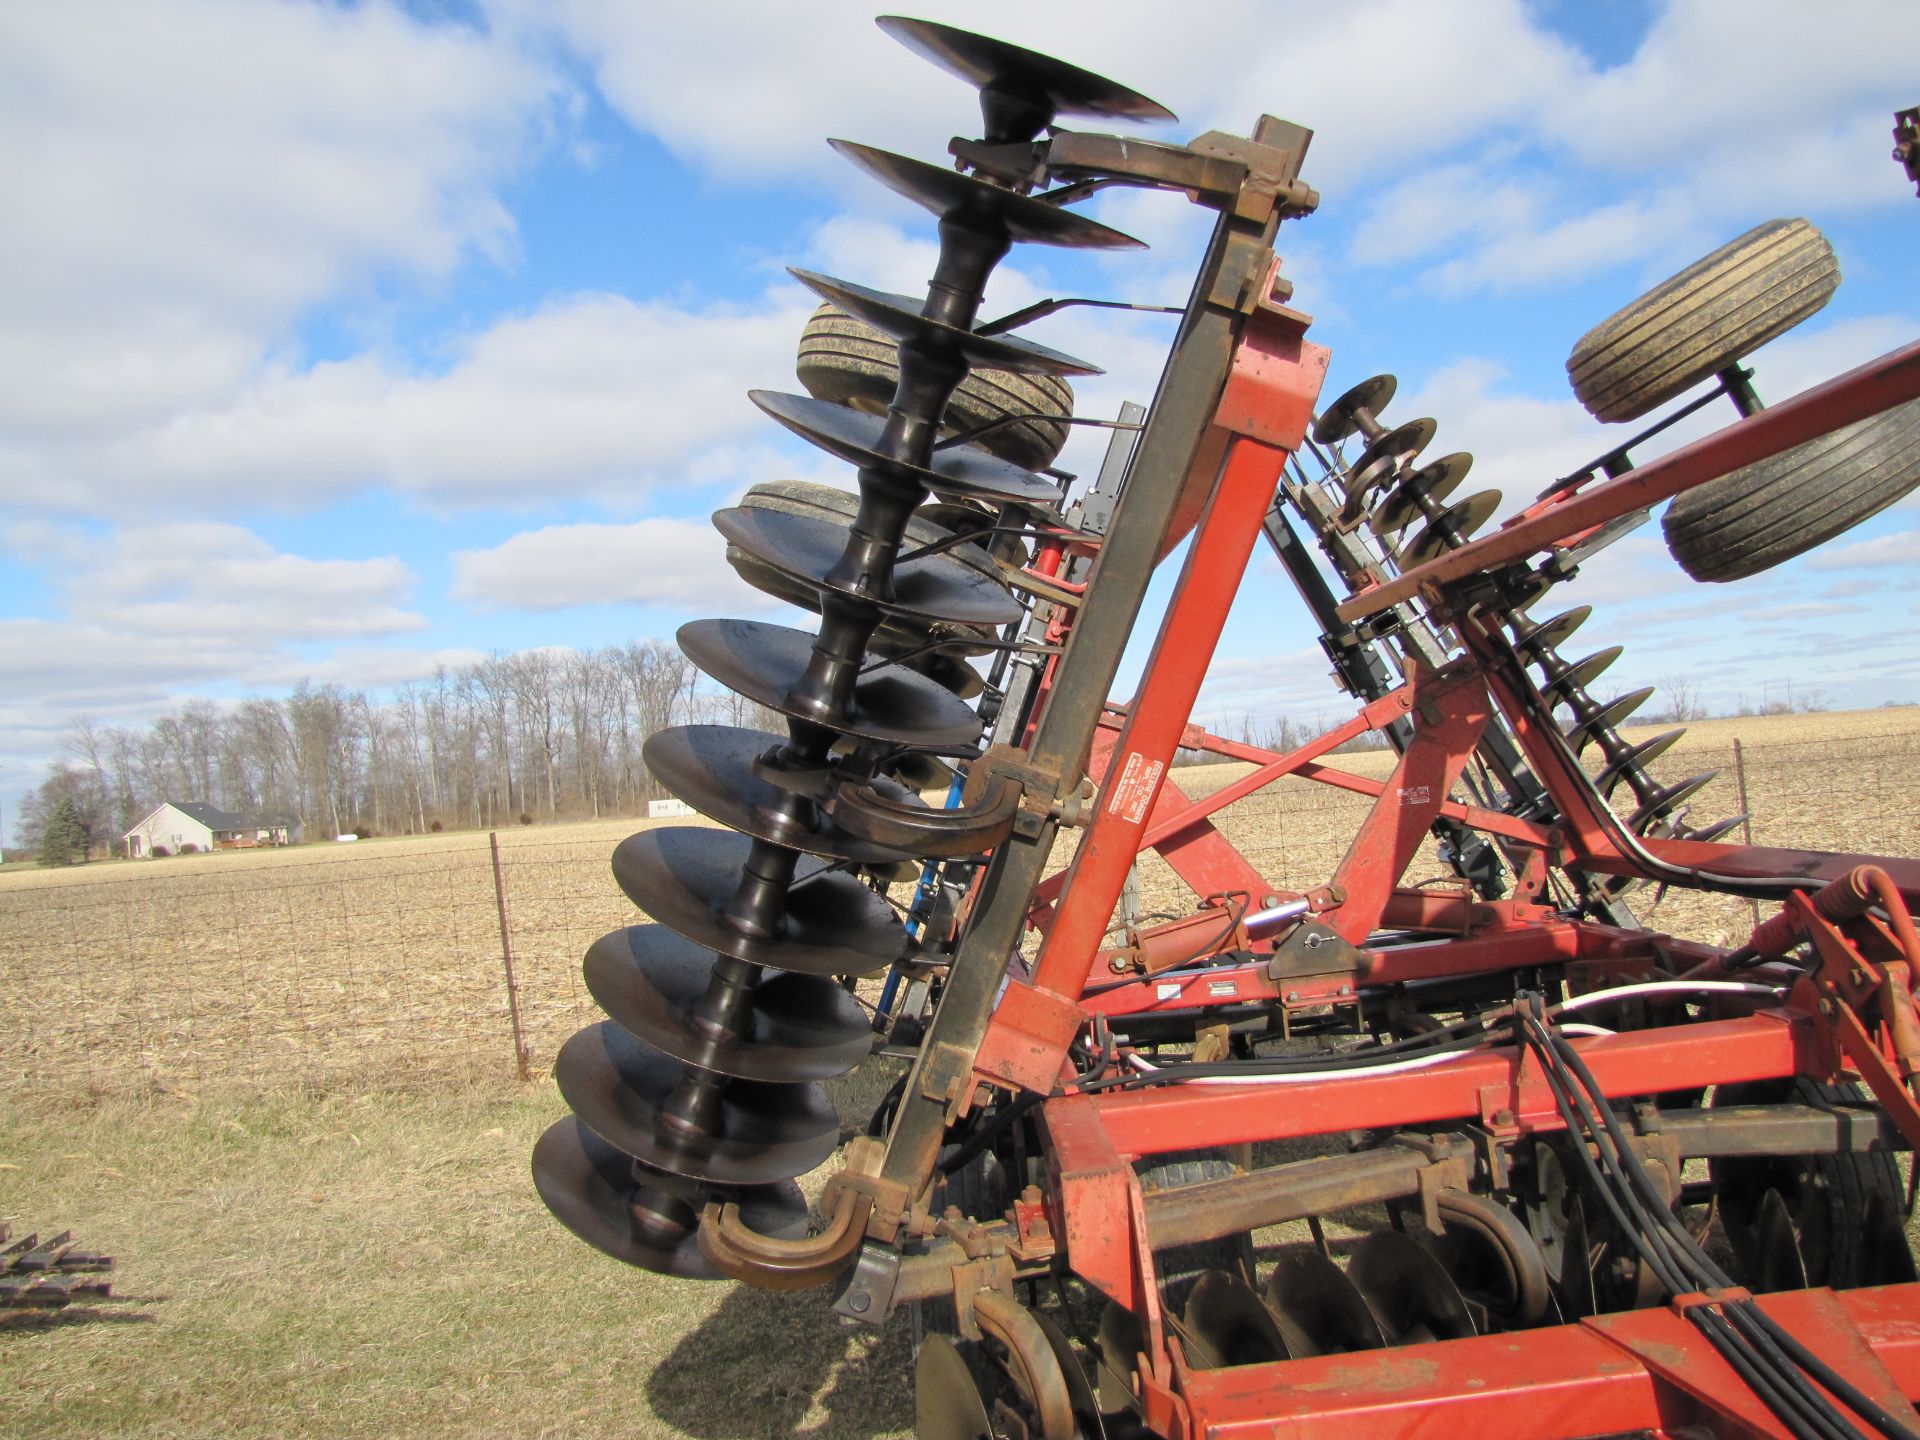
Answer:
(377, 1265)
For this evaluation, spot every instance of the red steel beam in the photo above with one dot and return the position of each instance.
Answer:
(1479, 1085)
(1641, 1370)
(1878, 385)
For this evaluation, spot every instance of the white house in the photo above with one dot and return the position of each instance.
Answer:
(176, 829)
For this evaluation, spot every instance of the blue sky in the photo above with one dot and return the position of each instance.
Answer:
(341, 341)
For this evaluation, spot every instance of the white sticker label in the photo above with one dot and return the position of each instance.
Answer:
(1416, 794)
(1133, 792)
(1166, 990)
(1221, 987)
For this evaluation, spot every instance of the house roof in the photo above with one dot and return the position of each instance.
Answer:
(216, 819)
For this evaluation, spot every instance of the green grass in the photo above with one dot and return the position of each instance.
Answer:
(379, 1265)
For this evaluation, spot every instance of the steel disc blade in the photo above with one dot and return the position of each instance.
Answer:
(1086, 1406)
(946, 1403)
(1578, 1294)
(1398, 445)
(1453, 526)
(1342, 418)
(1121, 1337)
(947, 193)
(855, 437)
(1539, 635)
(589, 1187)
(797, 1027)
(763, 1133)
(1885, 1258)
(711, 767)
(1643, 753)
(1408, 1288)
(1580, 674)
(1669, 798)
(891, 704)
(1227, 1325)
(1778, 1262)
(899, 317)
(929, 588)
(1709, 833)
(990, 64)
(684, 878)
(1318, 1309)
(1434, 482)
(1607, 716)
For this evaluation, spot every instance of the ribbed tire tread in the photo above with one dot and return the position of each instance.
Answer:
(850, 363)
(1719, 308)
(1770, 511)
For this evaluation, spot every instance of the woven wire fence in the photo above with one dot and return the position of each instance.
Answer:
(452, 960)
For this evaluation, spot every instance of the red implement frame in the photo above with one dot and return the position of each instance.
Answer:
(1640, 1370)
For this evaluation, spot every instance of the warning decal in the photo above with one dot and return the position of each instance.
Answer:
(1133, 792)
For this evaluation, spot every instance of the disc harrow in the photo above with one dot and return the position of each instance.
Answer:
(38, 1274)
(1607, 1181)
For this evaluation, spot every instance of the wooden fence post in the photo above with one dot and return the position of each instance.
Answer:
(506, 958)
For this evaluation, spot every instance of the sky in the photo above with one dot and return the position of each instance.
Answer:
(339, 342)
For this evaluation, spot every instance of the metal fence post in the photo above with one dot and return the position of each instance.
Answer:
(1746, 813)
(506, 958)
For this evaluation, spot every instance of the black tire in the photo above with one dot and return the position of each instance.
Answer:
(1831, 1197)
(1719, 308)
(850, 363)
(1781, 507)
(1181, 1266)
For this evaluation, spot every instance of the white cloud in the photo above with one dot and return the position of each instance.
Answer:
(675, 564)
(184, 180)
(1902, 549)
(589, 396)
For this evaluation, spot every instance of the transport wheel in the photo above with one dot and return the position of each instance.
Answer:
(1838, 1204)
(1783, 506)
(1717, 309)
(1181, 1266)
(850, 363)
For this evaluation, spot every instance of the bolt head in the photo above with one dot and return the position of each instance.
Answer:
(859, 1302)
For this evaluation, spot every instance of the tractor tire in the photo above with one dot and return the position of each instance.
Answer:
(1783, 506)
(1700, 321)
(1831, 1196)
(1180, 1267)
(850, 363)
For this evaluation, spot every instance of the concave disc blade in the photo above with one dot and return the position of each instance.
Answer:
(946, 1402)
(1227, 1325)
(854, 436)
(1086, 1407)
(1607, 716)
(711, 768)
(1643, 752)
(764, 1133)
(589, 1187)
(899, 317)
(1581, 673)
(1453, 526)
(1435, 482)
(684, 878)
(990, 64)
(1342, 418)
(1578, 1295)
(1408, 1288)
(1550, 634)
(891, 704)
(797, 1027)
(1317, 1307)
(930, 588)
(1669, 798)
(1780, 1266)
(947, 193)
(1398, 445)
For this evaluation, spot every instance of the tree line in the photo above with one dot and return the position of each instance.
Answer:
(540, 735)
